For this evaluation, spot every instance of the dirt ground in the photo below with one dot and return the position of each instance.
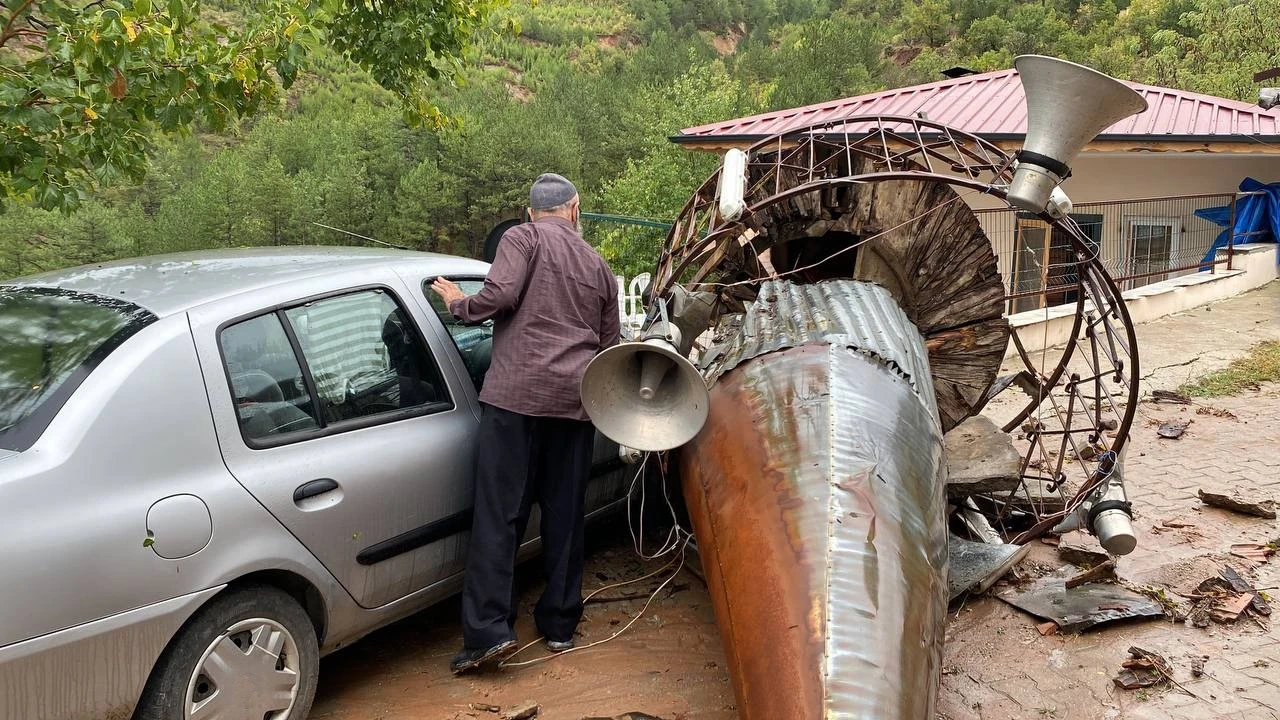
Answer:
(670, 664)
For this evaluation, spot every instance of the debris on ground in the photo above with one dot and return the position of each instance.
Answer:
(1225, 598)
(485, 707)
(1047, 628)
(1142, 669)
(1101, 572)
(626, 716)
(980, 459)
(1263, 508)
(1216, 412)
(1253, 552)
(1168, 396)
(1230, 607)
(1081, 550)
(1238, 584)
(1173, 429)
(1197, 665)
(1080, 608)
(974, 567)
(523, 711)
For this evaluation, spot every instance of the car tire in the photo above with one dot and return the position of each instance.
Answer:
(224, 654)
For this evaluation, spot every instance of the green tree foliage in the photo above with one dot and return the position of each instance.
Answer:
(82, 86)
(592, 90)
(660, 180)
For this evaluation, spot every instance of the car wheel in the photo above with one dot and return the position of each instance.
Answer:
(250, 654)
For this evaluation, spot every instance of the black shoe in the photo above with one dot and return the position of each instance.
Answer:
(483, 658)
(559, 646)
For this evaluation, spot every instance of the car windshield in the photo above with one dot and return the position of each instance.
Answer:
(49, 342)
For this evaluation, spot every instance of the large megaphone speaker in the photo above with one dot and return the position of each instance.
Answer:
(645, 395)
(1067, 106)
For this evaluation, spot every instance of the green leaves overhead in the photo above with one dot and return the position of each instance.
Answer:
(82, 87)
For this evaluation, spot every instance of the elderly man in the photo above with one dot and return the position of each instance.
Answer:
(554, 303)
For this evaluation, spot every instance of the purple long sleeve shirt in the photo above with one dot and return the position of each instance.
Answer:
(554, 305)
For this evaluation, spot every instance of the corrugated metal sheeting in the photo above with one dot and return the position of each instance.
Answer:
(847, 313)
(993, 105)
(816, 493)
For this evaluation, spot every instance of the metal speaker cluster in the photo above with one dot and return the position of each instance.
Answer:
(1067, 106)
(646, 395)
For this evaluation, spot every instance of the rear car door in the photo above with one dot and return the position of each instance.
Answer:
(337, 413)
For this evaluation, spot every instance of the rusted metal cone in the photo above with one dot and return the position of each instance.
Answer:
(816, 493)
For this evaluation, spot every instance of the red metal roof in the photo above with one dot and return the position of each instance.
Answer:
(992, 105)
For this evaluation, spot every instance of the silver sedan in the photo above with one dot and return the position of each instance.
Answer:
(217, 467)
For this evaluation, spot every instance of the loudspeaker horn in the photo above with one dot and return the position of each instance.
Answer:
(1067, 106)
(645, 395)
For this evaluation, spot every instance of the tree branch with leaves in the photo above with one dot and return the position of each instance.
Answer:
(84, 86)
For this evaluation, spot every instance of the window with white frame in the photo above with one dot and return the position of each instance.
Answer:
(1151, 246)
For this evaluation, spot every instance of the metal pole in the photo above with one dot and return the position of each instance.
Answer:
(1231, 234)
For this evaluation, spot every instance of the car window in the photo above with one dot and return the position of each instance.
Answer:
(365, 356)
(267, 385)
(50, 340)
(474, 341)
(361, 358)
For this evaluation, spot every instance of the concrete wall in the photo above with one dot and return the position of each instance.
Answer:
(1254, 266)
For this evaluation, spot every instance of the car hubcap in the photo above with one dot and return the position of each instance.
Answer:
(249, 672)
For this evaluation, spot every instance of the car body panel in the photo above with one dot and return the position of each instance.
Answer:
(375, 502)
(169, 284)
(94, 671)
(156, 420)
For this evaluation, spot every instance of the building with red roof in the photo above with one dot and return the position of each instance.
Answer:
(1136, 186)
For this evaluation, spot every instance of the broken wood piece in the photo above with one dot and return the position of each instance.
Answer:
(1170, 397)
(1102, 571)
(484, 707)
(1198, 617)
(1259, 508)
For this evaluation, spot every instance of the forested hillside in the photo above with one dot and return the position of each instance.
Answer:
(592, 90)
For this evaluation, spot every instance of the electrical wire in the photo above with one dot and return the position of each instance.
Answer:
(678, 539)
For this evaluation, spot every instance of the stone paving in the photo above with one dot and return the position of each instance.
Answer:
(998, 666)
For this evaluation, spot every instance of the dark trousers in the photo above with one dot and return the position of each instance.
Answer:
(520, 459)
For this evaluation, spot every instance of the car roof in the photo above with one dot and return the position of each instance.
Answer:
(169, 284)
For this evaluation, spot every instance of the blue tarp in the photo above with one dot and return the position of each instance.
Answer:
(1257, 217)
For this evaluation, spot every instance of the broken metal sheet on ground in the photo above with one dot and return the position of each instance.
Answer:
(974, 566)
(1080, 608)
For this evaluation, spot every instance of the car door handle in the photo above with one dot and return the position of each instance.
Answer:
(314, 488)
